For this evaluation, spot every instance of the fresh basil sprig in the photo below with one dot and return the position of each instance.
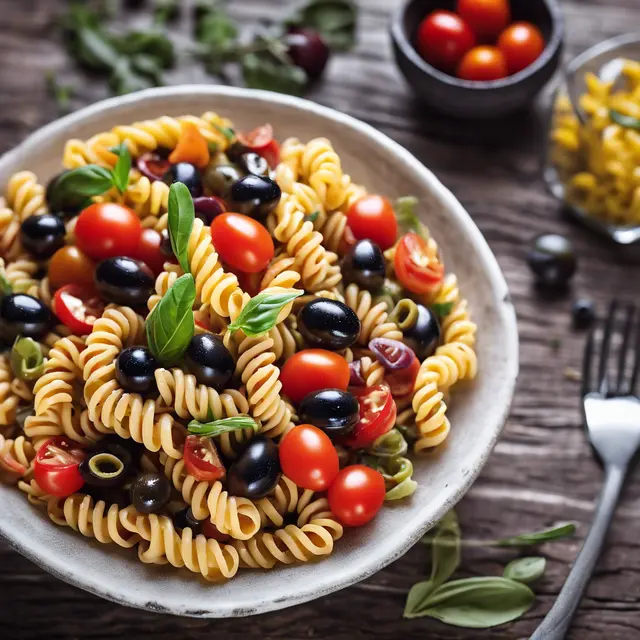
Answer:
(442, 309)
(629, 122)
(120, 173)
(27, 360)
(525, 570)
(261, 313)
(181, 215)
(170, 326)
(225, 425)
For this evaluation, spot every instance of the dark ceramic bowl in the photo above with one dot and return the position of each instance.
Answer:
(466, 99)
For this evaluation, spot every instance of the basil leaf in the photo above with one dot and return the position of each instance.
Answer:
(153, 44)
(264, 71)
(218, 427)
(417, 596)
(170, 325)
(27, 360)
(165, 11)
(84, 182)
(408, 218)
(442, 309)
(61, 93)
(120, 173)
(335, 20)
(261, 313)
(629, 122)
(525, 570)
(181, 215)
(445, 550)
(125, 79)
(537, 537)
(312, 217)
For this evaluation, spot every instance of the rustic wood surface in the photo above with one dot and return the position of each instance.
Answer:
(541, 472)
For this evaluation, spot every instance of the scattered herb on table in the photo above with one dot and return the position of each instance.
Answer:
(61, 93)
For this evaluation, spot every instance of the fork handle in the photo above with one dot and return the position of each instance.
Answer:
(557, 622)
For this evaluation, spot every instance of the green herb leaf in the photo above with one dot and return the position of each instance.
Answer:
(537, 537)
(335, 20)
(147, 66)
(125, 79)
(261, 313)
(61, 93)
(5, 285)
(629, 122)
(120, 173)
(84, 182)
(217, 427)
(27, 360)
(525, 570)
(227, 132)
(154, 44)
(408, 218)
(166, 11)
(442, 309)
(217, 34)
(181, 215)
(264, 71)
(445, 552)
(94, 51)
(170, 325)
(312, 217)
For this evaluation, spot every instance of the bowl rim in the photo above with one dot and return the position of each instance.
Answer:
(551, 49)
(427, 516)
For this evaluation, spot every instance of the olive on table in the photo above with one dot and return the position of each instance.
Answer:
(106, 468)
(185, 518)
(23, 315)
(423, 337)
(255, 196)
(150, 492)
(333, 411)
(124, 281)
(308, 50)
(328, 324)
(552, 260)
(364, 265)
(254, 164)
(208, 207)
(257, 470)
(209, 360)
(583, 313)
(218, 179)
(42, 235)
(63, 201)
(135, 369)
(186, 173)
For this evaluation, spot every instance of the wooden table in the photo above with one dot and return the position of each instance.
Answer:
(541, 472)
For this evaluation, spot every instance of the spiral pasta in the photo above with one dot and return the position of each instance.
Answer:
(9, 401)
(321, 169)
(25, 196)
(10, 244)
(374, 318)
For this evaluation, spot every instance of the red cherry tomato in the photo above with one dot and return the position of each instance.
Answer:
(401, 381)
(443, 38)
(262, 142)
(201, 459)
(56, 467)
(149, 250)
(487, 18)
(377, 415)
(311, 370)
(521, 44)
(356, 495)
(483, 64)
(78, 307)
(308, 457)
(70, 266)
(373, 218)
(416, 270)
(242, 242)
(107, 230)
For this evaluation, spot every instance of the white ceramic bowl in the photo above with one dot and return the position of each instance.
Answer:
(478, 412)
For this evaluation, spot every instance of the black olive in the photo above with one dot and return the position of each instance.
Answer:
(218, 179)
(124, 281)
(108, 468)
(254, 196)
(42, 235)
(552, 260)
(186, 173)
(135, 370)
(334, 411)
(165, 245)
(583, 313)
(185, 518)
(254, 164)
(62, 200)
(236, 150)
(364, 265)
(257, 471)
(109, 495)
(423, 337)
(121, 447)
(208, 207)
(23, 315)
(150, 492)
(328, 324)
(209, 360)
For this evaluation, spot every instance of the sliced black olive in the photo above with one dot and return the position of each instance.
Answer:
(124, 281)
(62, 200)
(135, 370)
(364, 265)
(583, 313)
(254, 196)
(185, 518)
(552, 260)
(423, 337)
(328, 324)
(150, 492)
(334, 411)
(257, 471)
(186, 173)
(208, 207)
(104, 469)
(209, 360)
(23, 315)
(254, 164)
(42, 235)
(218, 179)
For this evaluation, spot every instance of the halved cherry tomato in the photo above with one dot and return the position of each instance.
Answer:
(78, 306)
(377, 415)
(487, 18)
(55, 467)
(373, 218)
(242, 242)
(107, 230)
(521, 44)
(70, 266)
(311, 370)
(201, 459)
(401, 381)
(416, 270)
(191, 147)
(153, 165)
(210, 530)
(483, 64)
(308, 457)
(150, 251)
(262, 142)
(356, 495)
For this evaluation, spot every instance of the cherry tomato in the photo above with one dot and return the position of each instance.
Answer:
(311, 370)
(201, 459)
(487, 18)
(373, 218)
(150, 252)
(56, 467)
(521, 44)
(377, 415)
(415, 269)
(107, 230)
(78, 307)
(443, 38)
(250, 282)
(356, 495)
(262, 142)
(401, 381)
(242, 242)
(70, 266)
(308, 457)
(482, 64)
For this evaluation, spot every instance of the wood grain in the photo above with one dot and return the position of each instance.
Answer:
(541, 472)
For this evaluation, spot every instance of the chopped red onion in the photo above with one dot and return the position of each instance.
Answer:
(392, 354)
(356, 379)
(153, 165)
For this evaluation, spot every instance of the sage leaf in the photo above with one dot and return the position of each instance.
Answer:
(181, 215)
(629, 122)
(335, 20)
(525, 570)
(218, 427)
(442, 309)
(268, 73)
(537, 537)
(408, 218)
(27, 360)
(170, 326)
(445, 550)
(120, 173)
(261, 313)
(84, 182)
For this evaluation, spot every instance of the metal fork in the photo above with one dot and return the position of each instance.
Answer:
(612, 418)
